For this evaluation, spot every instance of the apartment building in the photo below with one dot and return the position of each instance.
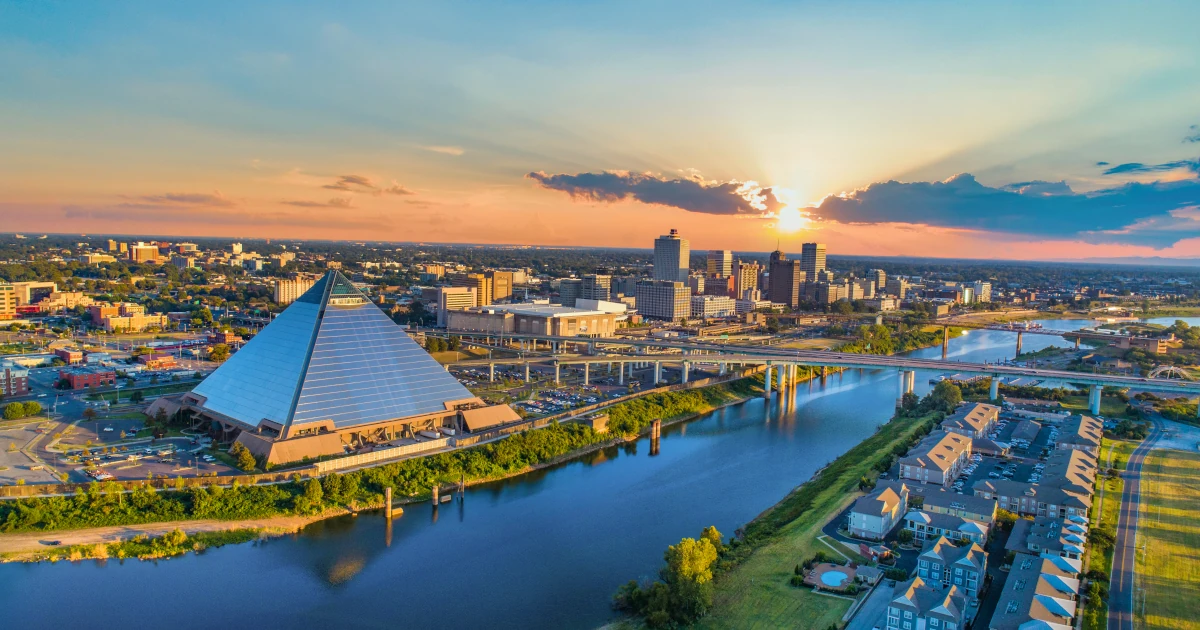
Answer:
(938, 459)
(706, 306)
(1052, 536)
(974, 420)
(950, 565)
(1081, 433)
(1040, 592)
(290, 290)
(14, 379)
(916, 605)
(877, 514)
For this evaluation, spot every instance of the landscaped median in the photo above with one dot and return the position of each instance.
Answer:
(103, 505)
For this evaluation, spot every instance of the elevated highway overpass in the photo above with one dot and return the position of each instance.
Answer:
(782, 363)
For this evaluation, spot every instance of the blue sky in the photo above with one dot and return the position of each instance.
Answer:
(260, 107)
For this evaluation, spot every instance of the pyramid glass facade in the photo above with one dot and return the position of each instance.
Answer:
(330, 356)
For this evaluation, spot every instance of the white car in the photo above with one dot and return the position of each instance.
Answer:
(108, 429)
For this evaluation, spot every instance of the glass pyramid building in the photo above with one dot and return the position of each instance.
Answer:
(329, 363)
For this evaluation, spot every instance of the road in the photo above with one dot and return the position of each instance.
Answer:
(1121, 587)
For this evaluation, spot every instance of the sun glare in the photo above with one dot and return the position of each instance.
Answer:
(791, 220)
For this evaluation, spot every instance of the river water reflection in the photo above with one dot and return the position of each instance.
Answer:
(545, 550)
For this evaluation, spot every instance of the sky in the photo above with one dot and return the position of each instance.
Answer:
(1020, 130)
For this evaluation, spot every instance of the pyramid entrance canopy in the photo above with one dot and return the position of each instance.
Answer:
(330, 356)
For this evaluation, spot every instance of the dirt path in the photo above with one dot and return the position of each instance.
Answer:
(36, 541)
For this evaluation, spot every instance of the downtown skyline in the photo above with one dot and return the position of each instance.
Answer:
(1010, 132)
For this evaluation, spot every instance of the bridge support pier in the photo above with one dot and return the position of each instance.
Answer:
(945, 341)
(722, 369)
(1094, 399)
(621, 373)
(1077, 343)
(824, 371)
(657, 372)
(908, 379)
(586, 373)
(1018, 344)
(491, 372)
(781, 378)
(526, 372)
(767, 382)
(684, 378)
(994, 391)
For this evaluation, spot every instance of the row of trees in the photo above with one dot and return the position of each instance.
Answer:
(18, 410)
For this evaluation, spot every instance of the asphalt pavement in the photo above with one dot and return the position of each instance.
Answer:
(1121, 586)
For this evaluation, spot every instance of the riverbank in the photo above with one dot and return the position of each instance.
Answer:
(295, 504)
(81, 544)
(754, 590)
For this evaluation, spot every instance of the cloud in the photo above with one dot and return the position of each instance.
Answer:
(1131, 213)
(1138, 167)
(1101, 163)
(362, 183)
(445, 150)
(692, 192)
(397, 189)
(1193, 134)
(351, 183)
(212, 200)
(336, 202)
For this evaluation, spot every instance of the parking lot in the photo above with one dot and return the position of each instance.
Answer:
(170, 457)
(16, 465)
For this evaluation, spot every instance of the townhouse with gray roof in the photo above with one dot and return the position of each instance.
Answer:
(1041, 593)
(945, 563)
(916, 605)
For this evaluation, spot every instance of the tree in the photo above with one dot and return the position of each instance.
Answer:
(219, 353)
(242, 456)
(905, 536)
(713, 536)
(137, 397)
(89, 414)
(946, 395)
(15, 410)
(691, 560)
(32, 408)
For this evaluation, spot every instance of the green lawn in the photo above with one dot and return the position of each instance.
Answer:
(1107, 506)
(1110, 406)
(185, 385)
(756, 593)
(1169, 568)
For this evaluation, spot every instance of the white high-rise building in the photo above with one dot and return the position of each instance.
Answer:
(983, 291)
(672, 256)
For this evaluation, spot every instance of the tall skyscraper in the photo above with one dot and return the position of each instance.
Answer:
(502, 284)
(812, 259)
(672, 256)
(879, 277)
(720, 263)
(745, 276)
(785, 279)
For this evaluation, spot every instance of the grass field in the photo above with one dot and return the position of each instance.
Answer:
(756, 593)
(185, 385)
(818, 343)
(1110, 406)
(453, 356)
(1169, 567)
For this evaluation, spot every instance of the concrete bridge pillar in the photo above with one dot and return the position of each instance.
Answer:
(824, 371)
(491, 372)
(1094, 399)
(722, 368)
(657, 372)
(526, 372)
(767, 382)
(684, 377)
(945, 341)
(994, 392)
(587, 373)
(1077, 343)
(780, 377)
(621, 374)
(1018, 343)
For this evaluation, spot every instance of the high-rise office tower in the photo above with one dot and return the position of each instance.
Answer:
(720, 263)
(672, 256)
(785, 279)
(812, 259)
(745, 276)
(595, 287)
(502, 284)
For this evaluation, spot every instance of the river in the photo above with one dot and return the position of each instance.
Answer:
(545, 550)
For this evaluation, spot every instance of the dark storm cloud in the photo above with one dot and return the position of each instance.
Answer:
(1130, 213)
(691, 194)
(1138, 167)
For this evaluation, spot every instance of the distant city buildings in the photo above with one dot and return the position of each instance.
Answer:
(812, 259)
(785, 279)
(286, 291)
